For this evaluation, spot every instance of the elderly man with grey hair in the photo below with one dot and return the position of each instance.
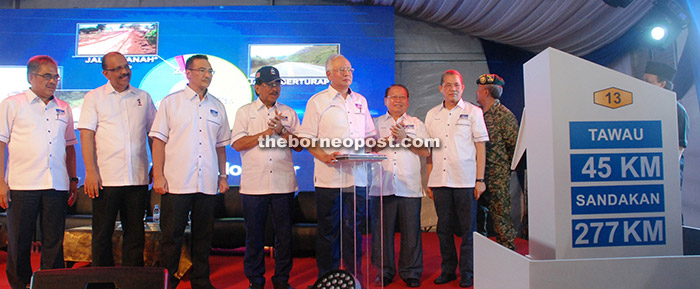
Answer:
(338, 112)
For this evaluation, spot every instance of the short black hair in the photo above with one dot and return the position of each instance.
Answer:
(188, 63)
(386, 93)
(451, 72)
(35, 63)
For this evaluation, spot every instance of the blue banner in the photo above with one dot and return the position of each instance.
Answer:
(617, 199)
(615, 134)
(618, 232)
(616, 167)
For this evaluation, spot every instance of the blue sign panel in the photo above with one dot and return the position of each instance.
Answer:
(617, 199)
(615, 134)
(616, 167)
(618, 232)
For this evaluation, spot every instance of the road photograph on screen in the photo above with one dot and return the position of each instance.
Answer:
(298, 60)
(96, 39)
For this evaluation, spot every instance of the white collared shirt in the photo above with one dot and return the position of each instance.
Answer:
(36, 135)
(265, 170)
(454, 163)
(328, 115)
(121, 122)
(192, 130)
(402, 168)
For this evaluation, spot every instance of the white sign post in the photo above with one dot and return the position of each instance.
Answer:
(603, 168)
(603, 184)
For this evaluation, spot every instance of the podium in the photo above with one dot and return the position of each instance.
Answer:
(354, 221)
(604, 187)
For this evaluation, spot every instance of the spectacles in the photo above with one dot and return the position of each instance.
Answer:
(345, 69)
(49, 76)
(203, 70)
(397, 97)
(271, 84)
(119, 68)
(450, 85)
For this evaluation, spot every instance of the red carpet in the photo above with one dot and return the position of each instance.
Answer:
(227, 268)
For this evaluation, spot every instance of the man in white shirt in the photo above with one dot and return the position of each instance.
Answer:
(456, 175)
(401, 192)
(114, 123)
(37, 131)
(338, 112)
(190, 134)
(268, 180)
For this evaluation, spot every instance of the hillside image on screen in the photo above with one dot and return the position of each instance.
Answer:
(297, 60)
(96, 39)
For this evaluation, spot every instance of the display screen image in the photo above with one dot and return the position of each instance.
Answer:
(293, 60)
(96, 39)
(238, 40)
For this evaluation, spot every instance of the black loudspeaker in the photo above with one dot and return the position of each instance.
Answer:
(101, 278)
(337, 279)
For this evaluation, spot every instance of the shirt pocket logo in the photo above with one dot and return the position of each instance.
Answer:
(61, 115)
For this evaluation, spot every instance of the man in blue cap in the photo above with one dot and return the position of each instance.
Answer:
(268, 179)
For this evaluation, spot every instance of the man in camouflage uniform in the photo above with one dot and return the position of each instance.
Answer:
(503, 133)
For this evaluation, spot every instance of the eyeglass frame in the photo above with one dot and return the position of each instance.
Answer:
(203, 70)
(344, 69)
(397, 97)
(49, 76)
(119, 68)
(277, 83)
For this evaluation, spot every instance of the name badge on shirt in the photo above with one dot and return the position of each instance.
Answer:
(214, 112)
(408, 126)
(463, 116)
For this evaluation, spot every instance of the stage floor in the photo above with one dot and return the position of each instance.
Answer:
(227, 268)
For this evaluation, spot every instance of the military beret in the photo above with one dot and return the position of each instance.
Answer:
(490, 78)
(662, 70)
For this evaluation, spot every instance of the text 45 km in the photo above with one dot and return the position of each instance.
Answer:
(616, 167)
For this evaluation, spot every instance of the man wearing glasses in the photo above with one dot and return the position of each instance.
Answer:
(268, 180)
(338, 112)
(37, 130)
(190, 134)
(114, 123)
(402, 192)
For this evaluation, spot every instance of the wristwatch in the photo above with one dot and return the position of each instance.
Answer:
(74, 179)
(479, 180)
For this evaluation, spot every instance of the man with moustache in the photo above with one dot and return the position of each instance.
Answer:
(338, 112)
(114, 123)
(37, 131)
(402, 192)
(190, 134)
(456, 175)
(268, 179)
